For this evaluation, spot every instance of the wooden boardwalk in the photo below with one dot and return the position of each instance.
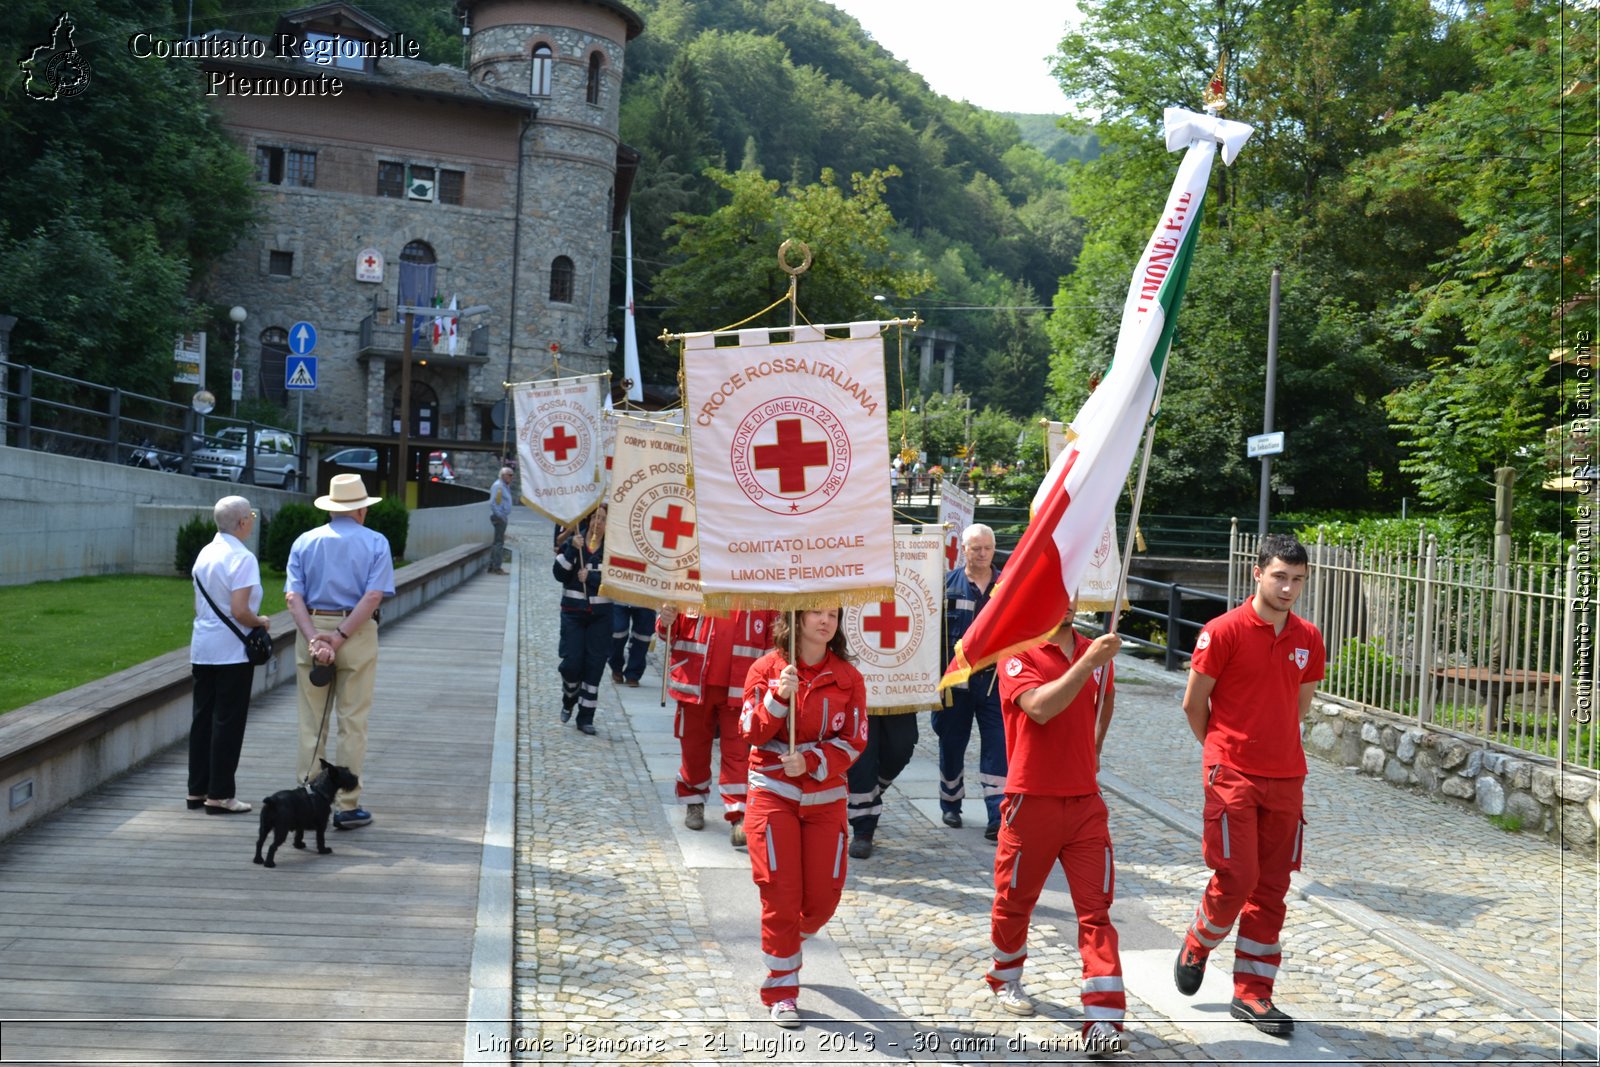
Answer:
(134, 930)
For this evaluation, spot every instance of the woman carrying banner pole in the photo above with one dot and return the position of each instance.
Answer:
(795, 822)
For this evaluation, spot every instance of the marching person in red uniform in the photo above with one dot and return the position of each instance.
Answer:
(796, 818)
(707, 661)
(1053, 812)
(1253, 675)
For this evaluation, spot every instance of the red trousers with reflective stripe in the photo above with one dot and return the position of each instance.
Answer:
(696, 725)
(797, 857)
(1254, 833)
(1036, 832)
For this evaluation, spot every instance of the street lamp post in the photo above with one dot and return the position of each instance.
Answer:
(238, 315)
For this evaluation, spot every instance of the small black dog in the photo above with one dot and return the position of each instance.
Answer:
(306, 808)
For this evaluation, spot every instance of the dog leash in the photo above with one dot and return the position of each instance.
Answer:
(327, 706)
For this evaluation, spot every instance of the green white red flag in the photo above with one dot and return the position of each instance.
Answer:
(1078, 496)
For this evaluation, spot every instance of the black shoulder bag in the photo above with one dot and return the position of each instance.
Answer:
(257, 643)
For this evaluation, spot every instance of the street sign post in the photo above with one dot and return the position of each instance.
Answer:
(300, 374)
(302, 338)
(1264, 444)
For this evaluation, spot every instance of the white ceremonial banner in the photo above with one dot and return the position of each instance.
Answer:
(1098, 590)
(897, 643)
(612, 417)
(956, 508)
(786, 441)
(652, 554)
(559, 445)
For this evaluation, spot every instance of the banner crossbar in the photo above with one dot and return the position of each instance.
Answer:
(883, 324)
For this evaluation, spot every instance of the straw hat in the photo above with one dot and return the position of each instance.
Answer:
(346, 492)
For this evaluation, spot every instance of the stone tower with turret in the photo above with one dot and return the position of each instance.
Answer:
(567, 56)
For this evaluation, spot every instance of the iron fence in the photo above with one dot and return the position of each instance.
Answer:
(54, 413)
(1498, 647)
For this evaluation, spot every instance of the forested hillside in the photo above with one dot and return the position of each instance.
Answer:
(1423, 176)
(794, 89)
(1421, 172)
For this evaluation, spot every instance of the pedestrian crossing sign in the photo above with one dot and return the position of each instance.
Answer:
(300, 372)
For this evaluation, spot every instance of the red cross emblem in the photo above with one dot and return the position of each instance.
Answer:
(888, 624)
(952, 549)
(671, 527)
(371, 262)
(559, 443)
(791, 456)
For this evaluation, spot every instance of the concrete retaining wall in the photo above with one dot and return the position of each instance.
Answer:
(59, 748)
(1521, 788)
(434, 530)
(62, 517)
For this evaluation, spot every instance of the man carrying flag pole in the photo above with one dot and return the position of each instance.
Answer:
(1068, 680)
(1079, 493)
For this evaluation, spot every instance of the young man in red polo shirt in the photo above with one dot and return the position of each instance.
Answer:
(1253, 674)
(1052, 811)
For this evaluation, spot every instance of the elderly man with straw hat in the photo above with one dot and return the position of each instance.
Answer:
(338, 575)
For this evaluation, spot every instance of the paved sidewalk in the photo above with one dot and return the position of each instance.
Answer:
(133, 930)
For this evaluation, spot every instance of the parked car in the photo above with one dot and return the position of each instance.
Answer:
(223, 457)
(356, 459)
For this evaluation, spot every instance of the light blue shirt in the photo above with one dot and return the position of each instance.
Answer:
(332, 567)
(500, 500)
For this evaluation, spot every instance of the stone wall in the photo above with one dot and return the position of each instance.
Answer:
(1531, 790)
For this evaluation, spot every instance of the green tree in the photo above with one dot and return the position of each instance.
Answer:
(1503, 154)
(117, 201)
(1310, 76)
(729, 264)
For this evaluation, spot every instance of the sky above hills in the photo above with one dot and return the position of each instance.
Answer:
(992, 54)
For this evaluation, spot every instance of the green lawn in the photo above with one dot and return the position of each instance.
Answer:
(58, 635)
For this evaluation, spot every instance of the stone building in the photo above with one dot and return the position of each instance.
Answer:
(498, 185)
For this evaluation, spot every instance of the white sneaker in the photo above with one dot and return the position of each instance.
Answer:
(230, 806)
(1102, 1039)
(786, 1014)
(1013, 999)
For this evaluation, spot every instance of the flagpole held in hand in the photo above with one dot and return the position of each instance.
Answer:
(794, 701)
(1133, 520)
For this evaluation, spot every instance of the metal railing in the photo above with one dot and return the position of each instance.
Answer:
(49, 412)
(1497, 650)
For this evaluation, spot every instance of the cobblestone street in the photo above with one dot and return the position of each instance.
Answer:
(1416, 932)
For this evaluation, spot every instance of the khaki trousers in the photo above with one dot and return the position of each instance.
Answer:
(355, 674)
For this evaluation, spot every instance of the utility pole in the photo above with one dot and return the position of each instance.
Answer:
(1272, 396)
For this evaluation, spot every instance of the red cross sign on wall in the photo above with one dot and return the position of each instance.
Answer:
(559, 443)
(888, 624)
(791, 456)
(671, 527)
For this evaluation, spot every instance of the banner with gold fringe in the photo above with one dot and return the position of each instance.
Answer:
(897, 643)
(652, 551)
(787, 439)
(559, 445)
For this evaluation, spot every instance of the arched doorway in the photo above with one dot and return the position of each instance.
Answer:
(424, 411)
